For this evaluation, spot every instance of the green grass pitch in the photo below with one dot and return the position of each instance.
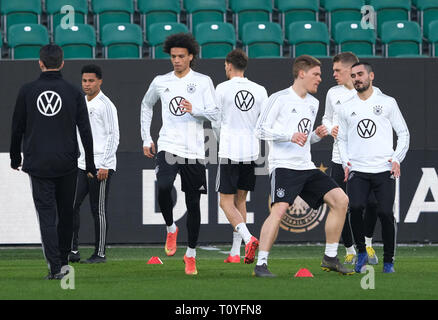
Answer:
(127, 276)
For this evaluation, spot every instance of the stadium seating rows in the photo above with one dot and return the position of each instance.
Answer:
(264, 28)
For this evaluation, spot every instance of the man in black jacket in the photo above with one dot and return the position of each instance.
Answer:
(47, 112)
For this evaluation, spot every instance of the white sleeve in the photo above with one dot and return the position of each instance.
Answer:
(111, 125)
(327, 118)
(216, 125)
(343, 139)
(209, 109)
(265, 124)
(402, 131)
(147, 104)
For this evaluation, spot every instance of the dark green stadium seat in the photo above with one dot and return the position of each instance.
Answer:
(262, 39)
(349, 36)
(308, 37)
(297, 10)
(216, 39)
(432, 37)
(122, 41)
(158, 11)
(26, 40)
(391, 10)
(111, 11)
(342, 10)
(19, 11)
(205, 11)
(157, 34)
(428, 10)
(401, 38)
(78, 42)
(53, 8)
(245, 11)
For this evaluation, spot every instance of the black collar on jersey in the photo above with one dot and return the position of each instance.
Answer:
(51, 75)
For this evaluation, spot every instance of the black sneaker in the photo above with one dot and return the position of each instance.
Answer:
(333, 264)
(263, 272)
(74, 257)
(94, 259)
(55, 276)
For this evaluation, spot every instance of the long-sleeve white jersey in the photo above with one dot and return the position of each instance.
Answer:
(336, 96)
(239, 101)
(182, 133)
(365, 137)
(284, 114)
(105, 130)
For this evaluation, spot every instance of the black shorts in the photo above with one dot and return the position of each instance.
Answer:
(192, 171)
(233, 176)
(310, 185)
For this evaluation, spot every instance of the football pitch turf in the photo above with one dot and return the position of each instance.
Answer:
(126, 275)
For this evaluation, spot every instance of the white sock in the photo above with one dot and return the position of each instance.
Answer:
(331, 249)
(262, 258)
(171, 228)
(244, 232)
(191, 253)
(237, 242)
(351, 250)
(368, 242)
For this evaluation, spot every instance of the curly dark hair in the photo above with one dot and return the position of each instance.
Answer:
(182, 40)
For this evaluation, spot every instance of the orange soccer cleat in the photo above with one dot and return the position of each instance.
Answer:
(170, 247)
(232, 259)
(190, 268)
(250, 250)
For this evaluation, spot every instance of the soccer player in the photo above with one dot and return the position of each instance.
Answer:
(365, 140)
(47, 113)
(105, 129)
(336, 96)
(187, 99)
(239, 100)
(287, 121)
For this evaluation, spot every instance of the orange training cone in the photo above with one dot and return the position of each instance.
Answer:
(155, 260)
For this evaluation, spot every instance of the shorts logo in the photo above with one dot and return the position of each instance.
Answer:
(244, 100)
(191, 88)
(280, 193)
(350, 175)
(301, 218)
(49, 103)
(175, 106)
(305, 126)
(366, 128)
(378, 110)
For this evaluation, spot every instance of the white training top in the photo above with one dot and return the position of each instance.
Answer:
(240, 101)
(336, 96)
(284, 114)
(182, 133)
(365, 137)
(105, 130)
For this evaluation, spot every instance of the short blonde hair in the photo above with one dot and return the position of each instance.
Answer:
(304, 62)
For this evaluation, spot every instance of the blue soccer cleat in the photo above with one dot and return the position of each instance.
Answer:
(388, 267)
(362, 259)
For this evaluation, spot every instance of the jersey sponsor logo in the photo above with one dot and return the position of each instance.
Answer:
(378, 110)
(49, 103)
(175, 106)
(244, 100)
(366, 128)
(191, 88)
(305, 126)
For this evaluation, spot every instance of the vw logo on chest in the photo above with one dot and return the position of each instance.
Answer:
(174, 106)
(305, 126)
(49, 103)
(366, 128)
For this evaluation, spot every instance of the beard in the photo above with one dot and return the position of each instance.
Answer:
(365, 86)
